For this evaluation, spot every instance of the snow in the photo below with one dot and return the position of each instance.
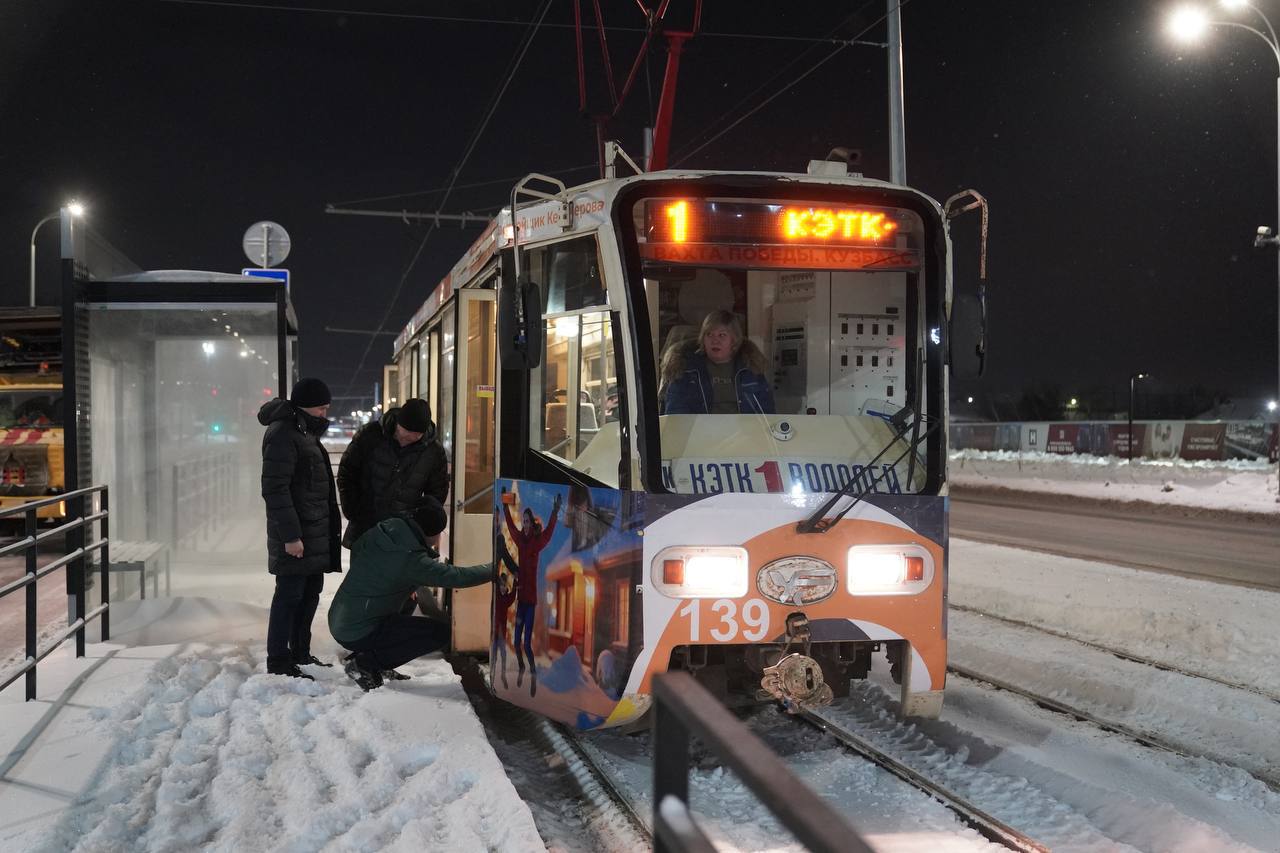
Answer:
(1237, 485)
(185, 743)
(1223, 630)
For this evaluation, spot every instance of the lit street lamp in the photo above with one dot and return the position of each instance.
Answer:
(1190, 23)
(75, 209)
(1133, 381)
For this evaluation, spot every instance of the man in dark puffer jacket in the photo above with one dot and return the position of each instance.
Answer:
(303, 525)
(389, 468)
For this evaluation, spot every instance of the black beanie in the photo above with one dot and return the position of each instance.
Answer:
(430, 516)
(415, 415)
(310, 392)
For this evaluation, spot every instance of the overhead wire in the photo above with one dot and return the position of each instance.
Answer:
(689, 153)
(458, 19)
(512, 67)
(777, 74)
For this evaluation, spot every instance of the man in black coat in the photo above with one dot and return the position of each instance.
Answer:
(303, 525)
(389, 467)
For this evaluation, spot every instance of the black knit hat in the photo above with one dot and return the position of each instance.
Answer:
(415, 415)
(430, 516)
(310, 392)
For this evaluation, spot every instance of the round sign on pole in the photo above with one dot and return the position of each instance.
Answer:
(266, 244)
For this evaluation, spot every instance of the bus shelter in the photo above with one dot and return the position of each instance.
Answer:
(163, 376)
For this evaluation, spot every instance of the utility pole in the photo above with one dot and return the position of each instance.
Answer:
(897, 126)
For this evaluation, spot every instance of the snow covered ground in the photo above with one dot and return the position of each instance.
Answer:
(180, 742)
(1234, 486)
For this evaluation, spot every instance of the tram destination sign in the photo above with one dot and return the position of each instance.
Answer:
(736, 233)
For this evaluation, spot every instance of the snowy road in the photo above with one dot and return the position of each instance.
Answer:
(1219, 548)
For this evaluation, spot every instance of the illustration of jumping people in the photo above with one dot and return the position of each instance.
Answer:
(530, 539)
(504, 594)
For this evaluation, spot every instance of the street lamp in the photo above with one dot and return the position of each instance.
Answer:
(75, 208)
(1189, 23)
(1133, 381)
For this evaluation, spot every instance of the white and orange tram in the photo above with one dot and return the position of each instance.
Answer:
(698, 419)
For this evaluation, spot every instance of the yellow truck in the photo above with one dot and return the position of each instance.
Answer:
(31, 442)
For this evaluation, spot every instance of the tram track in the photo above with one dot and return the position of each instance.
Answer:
(1146, 738)
(1119, 653)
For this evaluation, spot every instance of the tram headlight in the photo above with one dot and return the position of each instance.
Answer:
(888, 570)
(700, 571)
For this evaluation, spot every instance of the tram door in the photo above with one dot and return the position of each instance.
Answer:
(472, 455)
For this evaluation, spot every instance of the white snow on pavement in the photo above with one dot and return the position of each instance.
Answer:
(1237, 485)
(178, 747)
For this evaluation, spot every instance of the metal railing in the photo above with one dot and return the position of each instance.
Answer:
(204, 494)
(683, 707)
(75, 560)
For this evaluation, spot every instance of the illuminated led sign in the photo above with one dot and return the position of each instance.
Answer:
(732, 232)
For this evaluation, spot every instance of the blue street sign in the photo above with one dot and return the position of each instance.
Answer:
(259, 272)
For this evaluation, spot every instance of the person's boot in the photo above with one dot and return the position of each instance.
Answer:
(311, 660)
(533, 682)
(368, 679)
(520, 675)
(392, 675)
(286, 667)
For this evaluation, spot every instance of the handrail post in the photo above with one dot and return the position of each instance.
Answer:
(32, 615)
(670, 761)
(76, 579)
(105, 562)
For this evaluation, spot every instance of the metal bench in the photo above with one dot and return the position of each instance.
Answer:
(138, 557)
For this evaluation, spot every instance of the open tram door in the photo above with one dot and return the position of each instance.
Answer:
(462, 389)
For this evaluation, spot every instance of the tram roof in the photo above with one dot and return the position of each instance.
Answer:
(536, 228)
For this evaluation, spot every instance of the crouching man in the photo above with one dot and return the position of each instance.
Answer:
(388, 562)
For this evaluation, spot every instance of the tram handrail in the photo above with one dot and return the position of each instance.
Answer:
(683, 707)
(74, 561)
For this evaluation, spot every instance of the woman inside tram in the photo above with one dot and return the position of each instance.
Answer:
(720, 373)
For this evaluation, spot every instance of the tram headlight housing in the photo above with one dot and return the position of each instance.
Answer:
(700, 571)
(888, 570)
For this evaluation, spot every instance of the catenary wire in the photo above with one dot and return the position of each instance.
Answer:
(456, 19)
(512, 67)
(684, 157)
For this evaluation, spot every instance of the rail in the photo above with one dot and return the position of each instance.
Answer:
(682, 707)
(74, 561)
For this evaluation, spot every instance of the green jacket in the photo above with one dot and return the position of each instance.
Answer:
(387, 563)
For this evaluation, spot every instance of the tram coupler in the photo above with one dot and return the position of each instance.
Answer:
(796, 679)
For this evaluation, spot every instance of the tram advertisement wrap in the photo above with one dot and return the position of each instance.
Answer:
(573, 638)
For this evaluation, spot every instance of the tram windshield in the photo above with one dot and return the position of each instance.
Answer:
(786, 335)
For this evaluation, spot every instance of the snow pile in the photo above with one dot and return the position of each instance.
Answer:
(1235, 485)
(1221, 630)
(191, 746)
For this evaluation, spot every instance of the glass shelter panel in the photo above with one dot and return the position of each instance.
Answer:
(173, 410)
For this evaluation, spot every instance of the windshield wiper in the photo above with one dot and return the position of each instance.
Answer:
(818, 523)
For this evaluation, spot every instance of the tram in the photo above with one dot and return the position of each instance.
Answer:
(768, 520)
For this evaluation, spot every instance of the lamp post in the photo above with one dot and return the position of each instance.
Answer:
(75, 209)
(1133, 381)
(1188, 24)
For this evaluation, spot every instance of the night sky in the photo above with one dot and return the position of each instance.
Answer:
(1126, 175)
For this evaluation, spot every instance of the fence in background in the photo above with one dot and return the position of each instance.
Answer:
(1192, 440)
(75, 560)
(204, 495)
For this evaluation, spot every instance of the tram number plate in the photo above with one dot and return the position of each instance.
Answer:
(765, 476)
(725, 622)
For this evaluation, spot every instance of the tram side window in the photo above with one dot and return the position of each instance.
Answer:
(575, 390)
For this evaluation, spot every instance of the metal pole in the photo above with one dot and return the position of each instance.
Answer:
(1129, 440)
(49, 218)
(32, 600)
(897, 126)
(1277, 281)
(104, 564)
